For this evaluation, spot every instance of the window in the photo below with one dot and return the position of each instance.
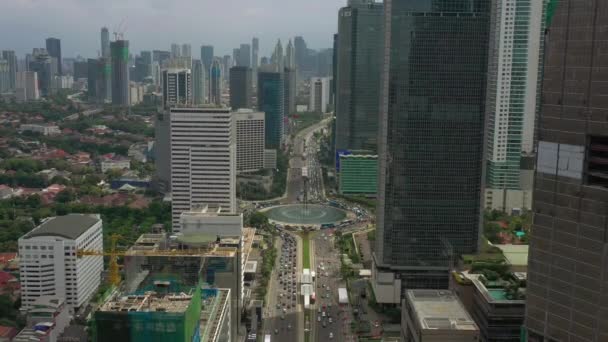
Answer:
(597, 161)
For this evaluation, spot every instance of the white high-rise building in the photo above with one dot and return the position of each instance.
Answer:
(177, 87)
(290, 56)
(249, 140)
(48, 261)
(27, 86)
(511, 105)
(319, 94)
(203, 160)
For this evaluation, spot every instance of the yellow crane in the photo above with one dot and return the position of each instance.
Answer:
(114, 277)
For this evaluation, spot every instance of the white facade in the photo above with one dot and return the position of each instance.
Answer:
(319, 94)
(114, 164)
(513, 76)
(42, 129)
(203, 160)
(270, 159)
(27, 86)
(249, 140)
(211, 220)
(48, 265)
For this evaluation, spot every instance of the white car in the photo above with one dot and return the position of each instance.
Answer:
(331, 335)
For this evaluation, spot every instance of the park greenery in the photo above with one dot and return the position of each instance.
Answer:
(514, 224)
(19, 215)
(53, 108)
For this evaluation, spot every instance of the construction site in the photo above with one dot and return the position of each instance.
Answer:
(175, 288)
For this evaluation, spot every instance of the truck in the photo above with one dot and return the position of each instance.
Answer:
(267, 338)
(342, 295)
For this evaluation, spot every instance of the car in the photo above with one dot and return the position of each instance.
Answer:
(324, 324)
(323, 314)
(276, 331)
(331, 335)
(318, 318)
(330, 320)
(278, 305)
(284, 310)
(289, 326)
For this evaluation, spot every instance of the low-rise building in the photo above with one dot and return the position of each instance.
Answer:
(499, 309)
(43, 129)
(270, 159)
(435, 315)
(47, 318)
(112, 161)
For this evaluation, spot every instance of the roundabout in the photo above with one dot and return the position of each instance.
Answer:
(311, 214)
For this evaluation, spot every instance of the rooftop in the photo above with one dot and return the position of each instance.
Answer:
(439, 309)
(499, 294)
(69, 226)
(149, 302)
(516, 255)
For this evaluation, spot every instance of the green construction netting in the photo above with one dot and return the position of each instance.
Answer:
(551, 8)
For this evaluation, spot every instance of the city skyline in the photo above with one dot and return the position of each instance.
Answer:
(77, 24)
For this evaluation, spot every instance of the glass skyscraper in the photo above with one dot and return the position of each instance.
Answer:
(270, 101)
(360, 42)
(431, 138)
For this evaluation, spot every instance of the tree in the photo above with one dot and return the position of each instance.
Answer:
(491, 231)
(65, 196)
(258, 220)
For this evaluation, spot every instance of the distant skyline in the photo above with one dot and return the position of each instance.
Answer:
(155, 24)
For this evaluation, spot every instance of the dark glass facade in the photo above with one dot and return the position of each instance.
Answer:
(240, 87)
(120, 72)
(359, 44)
(270, 101)
(431, 136)
(567, 292)
(53, 47)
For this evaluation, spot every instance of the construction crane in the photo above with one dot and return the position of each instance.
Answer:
(114, 277)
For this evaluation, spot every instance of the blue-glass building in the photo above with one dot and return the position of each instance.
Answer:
(271, 102)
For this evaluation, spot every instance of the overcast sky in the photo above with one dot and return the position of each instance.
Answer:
(155, 24)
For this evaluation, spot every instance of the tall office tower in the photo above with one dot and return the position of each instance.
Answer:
(146, 59)
(207, 56)
(334, 79)
(359, 58)
(215, 83)
(236, 55)
(186, 50)
(244, 55)
(249, 140)
(301, 52)
(92, 72)
(42, 65)
(277, 59)
(203, 160)
(324, 62)
(264, 61)
(177, 87)
(255, 51)
(319, 94)
(80, 69)
(198, 82)
(567, 287)
(289, 78)
(175, 51)
(27, 86)
(105, 43)
(227, 64)
(10, 56)
(270, 101)
(512, 103)
(53, 47)
(160, 56)
(240, 87)
(48, 265)
(290, 56)
(4, 76)
(120, 72)
(104, 80)
(430, 142)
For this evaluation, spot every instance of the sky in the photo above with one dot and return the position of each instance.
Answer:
(155, 24)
